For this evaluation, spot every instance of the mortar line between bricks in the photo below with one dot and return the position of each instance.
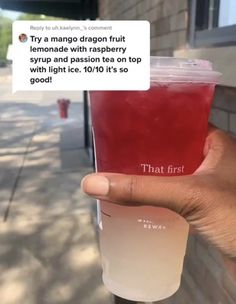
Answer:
(16, 182)
(221, 109)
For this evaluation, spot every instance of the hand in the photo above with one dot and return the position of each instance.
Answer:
(206, 199)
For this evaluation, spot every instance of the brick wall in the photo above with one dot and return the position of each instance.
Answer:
(223, 114)
(168, 20)
(205, 278)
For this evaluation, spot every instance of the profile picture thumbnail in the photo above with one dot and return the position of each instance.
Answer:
(23, 37)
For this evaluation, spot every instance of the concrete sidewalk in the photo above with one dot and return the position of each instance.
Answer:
(48, 245)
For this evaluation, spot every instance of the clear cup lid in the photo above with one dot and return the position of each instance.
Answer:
(170, 69)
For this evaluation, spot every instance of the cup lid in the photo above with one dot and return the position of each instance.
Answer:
(182, 69)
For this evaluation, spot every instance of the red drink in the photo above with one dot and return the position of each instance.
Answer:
(156, 132)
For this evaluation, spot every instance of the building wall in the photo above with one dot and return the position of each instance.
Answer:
(223, 113)
(206, 280)
(168, 20)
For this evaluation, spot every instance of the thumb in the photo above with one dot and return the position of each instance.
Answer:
(182, 194)
(175, 193)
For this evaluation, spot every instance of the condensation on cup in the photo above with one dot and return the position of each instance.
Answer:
(156, 132)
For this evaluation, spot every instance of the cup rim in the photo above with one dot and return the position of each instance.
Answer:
(174, 69)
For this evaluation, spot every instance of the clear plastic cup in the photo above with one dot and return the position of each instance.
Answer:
(156, 132)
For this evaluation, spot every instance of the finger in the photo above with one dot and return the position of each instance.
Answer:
(211, 129)
(175, 193)
(214, 150)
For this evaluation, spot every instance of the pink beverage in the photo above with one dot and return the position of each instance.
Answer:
(156, 132)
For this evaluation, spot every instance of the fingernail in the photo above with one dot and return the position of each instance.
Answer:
(95, 185)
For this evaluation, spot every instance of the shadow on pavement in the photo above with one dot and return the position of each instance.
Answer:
(48, 244)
